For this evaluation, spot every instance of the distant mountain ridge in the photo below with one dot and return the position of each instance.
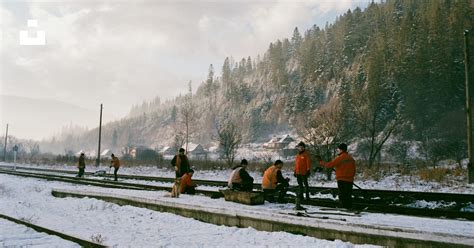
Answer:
(394, 69)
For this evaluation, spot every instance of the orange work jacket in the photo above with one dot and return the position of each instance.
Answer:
(269, 180)
(344, 165)
(186, 182)
(302, 163)
(115, 162)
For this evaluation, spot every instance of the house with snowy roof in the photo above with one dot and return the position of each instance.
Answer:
(278, 143)
(196, 151)
(168, 151)
(134, 150)
(290, 149)
(91, 154)
(106, 153)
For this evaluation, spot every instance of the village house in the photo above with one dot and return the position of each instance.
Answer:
(278, 143)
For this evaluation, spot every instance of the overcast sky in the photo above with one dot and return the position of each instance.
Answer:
(121, 53)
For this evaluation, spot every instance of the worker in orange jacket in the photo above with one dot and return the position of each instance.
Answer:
(187, 185)
(302, 171)
(115, 162)
(273, 181)
(345, 171)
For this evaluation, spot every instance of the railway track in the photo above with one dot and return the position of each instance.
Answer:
(363, 200)
(372, 194)
(79, 241)
(101, 182)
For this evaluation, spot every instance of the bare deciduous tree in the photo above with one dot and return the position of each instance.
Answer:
(378, 113)
(229, 137)
(323, 128)
(188, 116)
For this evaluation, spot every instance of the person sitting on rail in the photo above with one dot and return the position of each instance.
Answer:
(180, 163)
(115, 162)
(187, 185)
(345, 171)
(240, 179)
(273, 182)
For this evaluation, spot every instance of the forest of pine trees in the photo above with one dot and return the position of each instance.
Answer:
(382, 78)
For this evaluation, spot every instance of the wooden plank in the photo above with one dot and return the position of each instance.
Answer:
(244, 197)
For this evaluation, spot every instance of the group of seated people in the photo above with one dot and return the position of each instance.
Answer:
(273, 181)
(239, 180)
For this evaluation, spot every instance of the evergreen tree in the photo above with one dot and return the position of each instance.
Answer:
(209, 86)
(248, 65)
(296, 40)
(226, 77)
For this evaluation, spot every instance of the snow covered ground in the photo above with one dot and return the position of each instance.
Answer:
(121, 226)
(15, 235)
(392, 182)
(126, 226)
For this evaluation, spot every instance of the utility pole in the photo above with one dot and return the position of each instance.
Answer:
(100, 133)
(5, 149)
(470, 165)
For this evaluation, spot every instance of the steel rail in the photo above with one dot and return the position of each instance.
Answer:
(359, 204)
(365, 193)
(79, 241)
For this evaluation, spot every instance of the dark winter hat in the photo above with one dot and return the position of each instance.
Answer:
(278, 162)
(244, 162)
(301, 144)
(82, 154)
(112, 155)
(191, 171)
(343, 147)
(181, 150)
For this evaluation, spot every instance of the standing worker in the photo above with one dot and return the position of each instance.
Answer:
(81, 165)
(240, 179)
(273, 182)
(345, 172)
(180, 163)
(116, 164)
(302, 172)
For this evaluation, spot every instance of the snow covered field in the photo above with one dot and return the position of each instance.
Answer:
(118, 226)
(125, 226)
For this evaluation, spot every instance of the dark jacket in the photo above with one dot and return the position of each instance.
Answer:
(181, 163)
(81, 163)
